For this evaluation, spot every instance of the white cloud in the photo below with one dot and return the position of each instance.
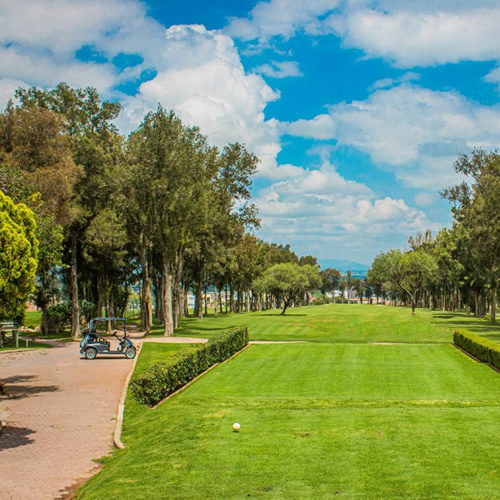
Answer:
(416, 132)
(319, 209)
(279, 18)
(61, 27)
(410, 39)
(8, 88)
(320, 127)
(386, 83)
(279, 69)
(19, 65)
(405, 32)
(424, 199)
(41, 38)
(204, 82)
(493, 77)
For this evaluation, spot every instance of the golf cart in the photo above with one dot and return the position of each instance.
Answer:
(92, 344)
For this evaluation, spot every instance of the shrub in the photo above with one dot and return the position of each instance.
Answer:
(483, 349)
(164, 378)
(57, 317)
(319, 302)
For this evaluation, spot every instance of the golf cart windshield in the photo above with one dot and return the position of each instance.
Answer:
(94, 323)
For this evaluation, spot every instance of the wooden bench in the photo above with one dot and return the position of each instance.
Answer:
(6, 326)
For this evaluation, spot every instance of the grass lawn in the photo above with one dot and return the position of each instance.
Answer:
(32, 319)
(22, 345)
(339, 418)
(344, 323)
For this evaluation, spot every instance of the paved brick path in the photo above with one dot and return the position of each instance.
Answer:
(62, 418)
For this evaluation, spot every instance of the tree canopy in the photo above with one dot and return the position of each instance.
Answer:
(288, 282)
(18, 256)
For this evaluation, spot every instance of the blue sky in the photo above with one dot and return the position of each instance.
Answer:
(356, 108)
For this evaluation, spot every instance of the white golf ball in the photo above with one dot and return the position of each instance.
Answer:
(236, 426)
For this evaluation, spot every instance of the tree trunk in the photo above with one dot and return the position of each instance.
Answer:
(231, 299)
(186, 300)
(176, 306)
(146, 295)
(285, 305)
(157, 283)
(75, 308)
(167, 300)
(110, 313)
(220, 301)
(493, 302)
(199, 300)
(182, 301)
(205, 292)
(176, 291)
(45, 319)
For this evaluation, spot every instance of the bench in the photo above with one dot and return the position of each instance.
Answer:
(6, 326)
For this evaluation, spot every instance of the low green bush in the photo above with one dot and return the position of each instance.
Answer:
(482, 348)
(57, 317)
(164, 378)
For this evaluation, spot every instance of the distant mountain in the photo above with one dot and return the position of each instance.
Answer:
(343, 265)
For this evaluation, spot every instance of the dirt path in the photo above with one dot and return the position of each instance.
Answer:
(63, 417)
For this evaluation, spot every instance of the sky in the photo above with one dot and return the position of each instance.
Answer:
(357, 109)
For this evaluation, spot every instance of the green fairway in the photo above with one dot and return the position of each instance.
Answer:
(318, 420)
(344, 323)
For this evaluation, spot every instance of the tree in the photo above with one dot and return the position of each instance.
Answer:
(308, 260)
(16, 184)
(415, 268)
(40, 172)
(408, 272)
(359, 287)
(94, 144)
(288, 282)
(18, 257)
(476, 206)
(330, 280)
(349, 283)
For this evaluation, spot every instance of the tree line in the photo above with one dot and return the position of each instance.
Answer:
(163, 208)
(459, 268)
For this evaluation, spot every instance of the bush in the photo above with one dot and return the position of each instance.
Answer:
(319, 302)
(483, 349)
(57, 317)
(164, 378)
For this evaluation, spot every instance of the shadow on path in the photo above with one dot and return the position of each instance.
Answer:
(18, 388)
(18, 378)
(13, 437)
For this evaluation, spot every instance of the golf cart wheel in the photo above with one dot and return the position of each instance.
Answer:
(130, 353)
(90, 353)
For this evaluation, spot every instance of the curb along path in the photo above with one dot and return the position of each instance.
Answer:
(62, 416)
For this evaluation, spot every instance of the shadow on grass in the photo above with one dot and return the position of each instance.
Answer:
(279, 315)
(460, 320)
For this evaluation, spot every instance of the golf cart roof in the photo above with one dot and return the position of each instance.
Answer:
(110, 319)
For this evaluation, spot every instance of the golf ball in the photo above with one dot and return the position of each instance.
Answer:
(236, 426)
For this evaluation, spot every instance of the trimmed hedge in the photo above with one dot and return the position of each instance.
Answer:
(164, 378)
(482, 348)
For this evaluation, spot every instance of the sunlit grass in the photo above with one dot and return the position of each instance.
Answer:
(318, 420)
(344, 323)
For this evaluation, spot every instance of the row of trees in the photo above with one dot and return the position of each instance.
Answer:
(460, 266)
(162, 208)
